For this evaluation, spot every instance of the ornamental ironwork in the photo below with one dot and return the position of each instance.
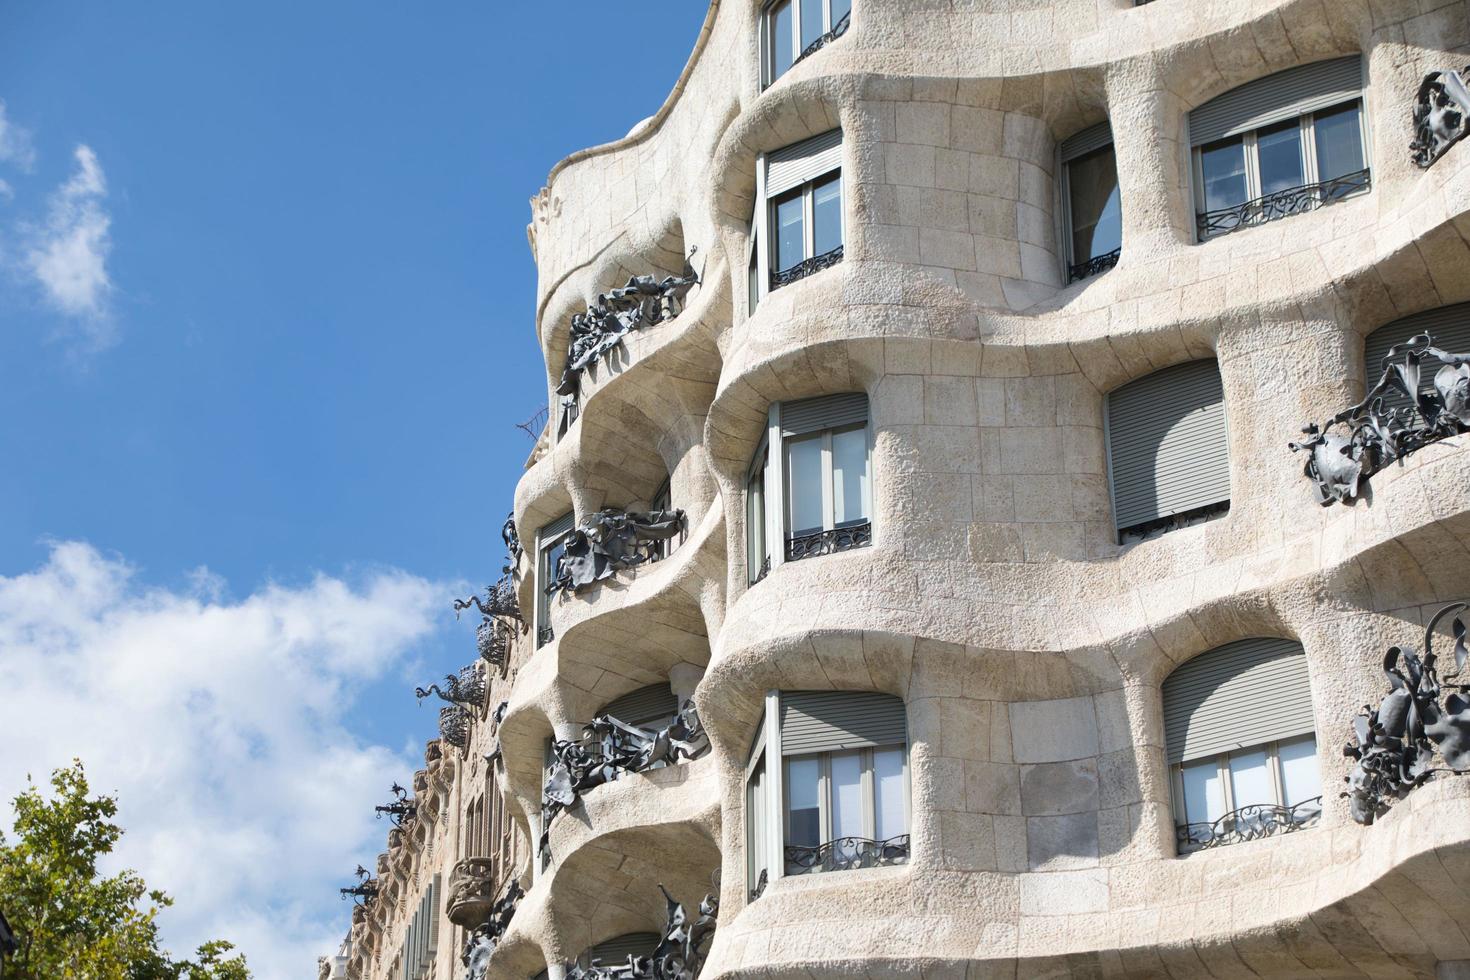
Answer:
(401, 809)
(466, 690)
(454, 726)
(1248, 823)
(838, 29)
(544, 635)
(847, 853)
(806, 267)
(480, 944)
(611, 540)
(512, 539)
(1172, 522)
(1282, 204)
(364, 891)
(643, 302)
(679, 954)
(608, 748)
(500, 600)
(829, 541)
(492, 642)
(1396, 744)
(1095, 265)
(1359, 441)
(1441, 115)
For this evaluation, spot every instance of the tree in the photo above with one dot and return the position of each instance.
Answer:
(72, 924)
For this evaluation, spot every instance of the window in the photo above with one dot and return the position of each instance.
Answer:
(1168, 450)
(663, 500)
(793, 29)
(1449, 326)
(653, 706)
(1094, 211)
(1241, 743)
(800, 221)
(1281, 145)
(550, 543)
(842, 801)
(810, 484)
(615, 952)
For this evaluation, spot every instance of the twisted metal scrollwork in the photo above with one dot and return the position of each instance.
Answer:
(454, 726)
(512, 539)
(610, 540)
(1441, 115)
(1249, 823)
(1375, 434)
(846, 853)
(1282, 204)
(838, 29)
(481, 943)
(401, 809)
(545, 635)
(466, 690)
(1095, 265)
(806, 267)
(679, 955)
(1395, 744)
(760, 885)
(829, 542)
(366, 889)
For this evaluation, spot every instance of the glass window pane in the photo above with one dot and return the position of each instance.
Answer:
(803, 814)
(850, 490)
(755, 822)
(811, 21)
(1250, 779)
(1300, 778)
(1339, 142)
(1223, 165)
(1204, 792)
(840, 9)
(1279, 150)
(827, 216)
(1097, 211)
(780, 34)
(804, 484)
(847, 795)
(755, 521)
(790, 236)
(888, 794)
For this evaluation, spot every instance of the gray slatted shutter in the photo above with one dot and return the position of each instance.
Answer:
(825, 721)
(827, 412)
(1236, 696)
(433, 913)
(1449, 326)
(794, 165)
(555, 529)
(1083, 143)
(617, 950)
(656, 702)
(1275, 98)
(1168, 450)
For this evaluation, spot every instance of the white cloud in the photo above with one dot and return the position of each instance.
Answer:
(220, 725)
(68, 253)
(15, 143)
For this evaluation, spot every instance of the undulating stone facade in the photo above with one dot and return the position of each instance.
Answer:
(993, 594)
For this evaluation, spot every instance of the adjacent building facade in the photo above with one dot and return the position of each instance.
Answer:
(1003, 513)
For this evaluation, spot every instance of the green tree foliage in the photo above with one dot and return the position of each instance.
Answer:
(72, 924)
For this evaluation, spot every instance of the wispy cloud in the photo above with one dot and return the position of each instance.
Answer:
(67, 254)
(16, 147)
(221, 726)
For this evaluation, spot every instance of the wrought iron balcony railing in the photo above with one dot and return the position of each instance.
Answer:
(470, 906)
(830, 541)
(838, 29)
(678, 955)
(847, 853)
(1094, 266)
(1282, 204)
(544, 636)
(1249, 823)
(454, 726)
(806, 267)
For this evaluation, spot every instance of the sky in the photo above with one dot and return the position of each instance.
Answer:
(266, 327)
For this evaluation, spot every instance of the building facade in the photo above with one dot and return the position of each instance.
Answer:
(1003, 513)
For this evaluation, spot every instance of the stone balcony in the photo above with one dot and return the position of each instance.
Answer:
(472, 887)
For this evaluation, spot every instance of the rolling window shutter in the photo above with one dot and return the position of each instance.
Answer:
(827, 412)
(1284, 95)
(656, 702)
(617, 950)
(550, 532)
(1449, 326)
(433, 913)
(1167, 441)
(1083, 143)
(1239, 695)
(824, 721)
(794, 165)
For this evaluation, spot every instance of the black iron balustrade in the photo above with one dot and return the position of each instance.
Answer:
(544, 636)
(1441, 115)
(454, 726)
(1173, 522)
(481, 942)
(512, 538)
(1375, 432)
(1249, 823)
(609, 541)
(366, 889)
(838, 29)
(679, 954)
(1281, 204)
(401, 809)
(1094, 266)
(847, 853)
(830, 541)
(466, 690)
(806, 267)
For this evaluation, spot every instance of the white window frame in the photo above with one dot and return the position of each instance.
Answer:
(768, 51)
(757, 552)
(1308, 137)
(1222, 762)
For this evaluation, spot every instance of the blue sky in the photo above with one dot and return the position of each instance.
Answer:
(266, 325)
